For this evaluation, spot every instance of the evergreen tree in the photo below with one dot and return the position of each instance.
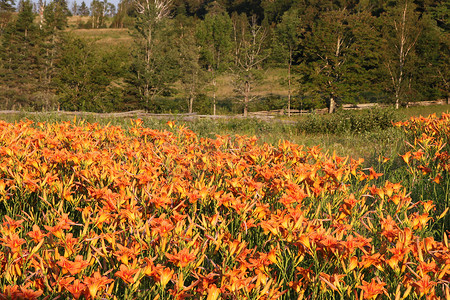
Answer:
(275, 9)
(7, 5)
(432, 66)
(439, 11)
(365, 73)
(55, 20)
(55, 15)
(83, 10)
(20, 65)
(443, 66)
(24, 22)
(340, 52)
(214, 35)
(152, 67)
(88, 80)
(6, 10)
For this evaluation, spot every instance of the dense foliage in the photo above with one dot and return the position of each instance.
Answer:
(348, 122)
(97, 212)
(328, 52)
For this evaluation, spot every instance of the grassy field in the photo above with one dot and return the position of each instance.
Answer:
(271, 85)
(105, 37)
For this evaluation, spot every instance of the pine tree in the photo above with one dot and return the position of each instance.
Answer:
(25, 18)
(55, 20)
(55, 15)
(20, 60)
(432, 66)
(7, 5)
(151, 70)
(85, 76)
(6, 10)
(83, 10)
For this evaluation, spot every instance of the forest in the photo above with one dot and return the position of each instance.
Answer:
(176, 54)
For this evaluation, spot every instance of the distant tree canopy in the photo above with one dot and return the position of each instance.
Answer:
(329, 52)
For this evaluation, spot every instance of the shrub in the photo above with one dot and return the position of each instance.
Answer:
(347, 121)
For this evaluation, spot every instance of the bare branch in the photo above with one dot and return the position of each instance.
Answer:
(160, 8)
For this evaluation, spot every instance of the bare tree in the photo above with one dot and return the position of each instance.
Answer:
(153, 10)
(41, 8)
(401, 40)
(250, 53)
(288, 37)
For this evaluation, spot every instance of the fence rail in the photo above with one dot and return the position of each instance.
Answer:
(191, 116)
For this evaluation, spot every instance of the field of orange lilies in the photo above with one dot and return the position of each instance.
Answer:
(103, 212)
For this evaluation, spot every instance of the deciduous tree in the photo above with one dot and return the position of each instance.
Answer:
(214, 36)
(288, 36)
(191, 74)
(98, 13)
(250, 52)
(401, 30)
(327, 53)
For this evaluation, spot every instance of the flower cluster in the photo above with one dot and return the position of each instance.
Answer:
(429, 145)
(96, 212)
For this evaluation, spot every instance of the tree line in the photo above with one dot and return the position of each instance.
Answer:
(331, 52)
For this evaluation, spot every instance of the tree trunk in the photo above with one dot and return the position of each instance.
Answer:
(191, 103)
(214, 96)
(246, 98)
(289, 82)
(246, 106)
(332, 107)
(397, 100)
(41, 14)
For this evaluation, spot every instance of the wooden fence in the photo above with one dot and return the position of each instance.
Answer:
(191, 116)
